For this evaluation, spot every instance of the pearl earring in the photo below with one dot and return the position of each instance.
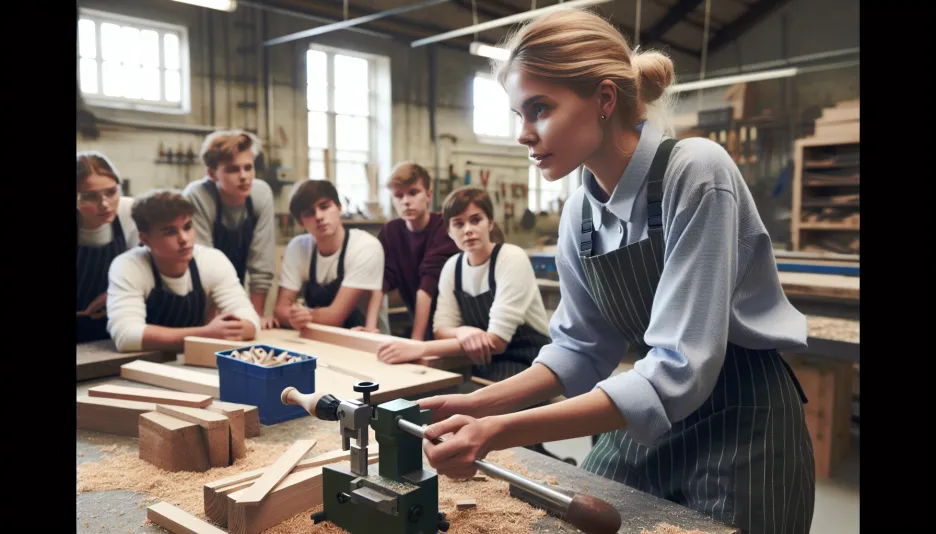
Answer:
(603, 117)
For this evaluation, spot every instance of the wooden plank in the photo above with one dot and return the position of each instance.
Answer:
(179, 521)
(167, 376)
(159, 396)
(99, 359)
(296, 493)
(172, 444)
(370, 342)
(215, 493)
(111, 416)
(821, 285)
(200, 351)
(235, 417)
(251, 417)
(216, 429)
(276, 472)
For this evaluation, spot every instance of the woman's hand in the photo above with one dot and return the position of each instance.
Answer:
(445, 406)
(475, 343)
(401, 351)
(471, 440)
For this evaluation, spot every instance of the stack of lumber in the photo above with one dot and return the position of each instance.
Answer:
(177, 431)
(840, 121)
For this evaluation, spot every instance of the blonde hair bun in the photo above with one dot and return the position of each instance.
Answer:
(656, 74)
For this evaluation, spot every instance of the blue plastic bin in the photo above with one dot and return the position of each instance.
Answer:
(248, 383)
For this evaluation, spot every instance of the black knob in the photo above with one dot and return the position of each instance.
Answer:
(443, 525)
(415, 513)
(366, 388)
(327, 408)
(441, 516)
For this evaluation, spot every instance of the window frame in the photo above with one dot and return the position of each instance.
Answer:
(511, 138)
(183, 107)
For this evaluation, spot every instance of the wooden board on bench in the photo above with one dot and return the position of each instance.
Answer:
(99, 359)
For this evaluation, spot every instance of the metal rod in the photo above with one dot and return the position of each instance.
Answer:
(497, 23)
(345, 24)
(776, 63)
(316, 18)
(500, 473)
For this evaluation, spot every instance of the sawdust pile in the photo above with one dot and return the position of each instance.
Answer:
(664, 528)
(496, 511)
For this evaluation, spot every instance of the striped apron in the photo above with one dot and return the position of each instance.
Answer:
(165, 308)
(744, 457)
(234, 243)
(526, 342)
(91, 265)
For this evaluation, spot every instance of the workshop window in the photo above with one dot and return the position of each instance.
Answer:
(345, 104)
(131, 63)
(545, 196)
(493, 120)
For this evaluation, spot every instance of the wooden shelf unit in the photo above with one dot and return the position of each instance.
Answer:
(826, 183)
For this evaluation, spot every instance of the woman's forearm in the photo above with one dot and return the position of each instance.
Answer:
(534, 385)
(586, 415)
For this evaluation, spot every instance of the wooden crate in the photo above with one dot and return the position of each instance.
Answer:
(828, 387)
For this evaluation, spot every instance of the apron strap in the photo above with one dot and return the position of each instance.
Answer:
(492, 285)
(588, 229)
(157, 280)
(458, 273)
(655, 184)
(344, 247)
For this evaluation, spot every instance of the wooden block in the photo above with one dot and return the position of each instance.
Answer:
(172, 444)
(179, 521)
(200, 351)
(465, 504)
(215, 427)
(251, 417)
(276, 472)
(370, 342)
(111, 416)
(215, 493)
(295, 493)
(235, 417)
(98, 359)
(478, 477)
(150, 395)
(167, 376)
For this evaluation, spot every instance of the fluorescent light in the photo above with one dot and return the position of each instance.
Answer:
(493, 52)
(731, 80)
(222, 5)
(497, 23)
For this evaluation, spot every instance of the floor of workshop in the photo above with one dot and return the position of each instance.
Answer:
(836, 498)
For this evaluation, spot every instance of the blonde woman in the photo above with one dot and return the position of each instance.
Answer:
(661, 250)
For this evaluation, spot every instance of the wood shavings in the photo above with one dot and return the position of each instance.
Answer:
(847, 330)
(260, 356)
(665, 528)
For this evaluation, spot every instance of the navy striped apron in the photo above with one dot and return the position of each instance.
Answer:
(91, 266)
(526, 342)
(165, 308)
(234, 243)
(744, 457)
(321, 296)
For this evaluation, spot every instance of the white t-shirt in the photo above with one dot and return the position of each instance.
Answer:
(104, 234)
(363, 267)
(517, 299)
(130, 281)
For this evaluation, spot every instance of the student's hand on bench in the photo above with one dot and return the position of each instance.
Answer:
(365, 329)
(401, 351)
(225, 326)
(299, 316)
(475, 343)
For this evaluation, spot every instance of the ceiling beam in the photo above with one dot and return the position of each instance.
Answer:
(746, 21)
(465, 5)
(672, 17)
(645, 38)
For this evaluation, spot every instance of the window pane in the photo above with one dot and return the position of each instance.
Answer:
(351, 73)
(316, 70)
(88, 69)
(317, 96)
(532, 183)
(359, 157)
(149, 48)
(87, 44)
(171, 48)
(111, 42)
(316, 166)
(318, 130)
(131, 45)
(491, 108)
(353, 133)
(134, 76)
(351, 182)
(114, 81)
(352, 102)
(173, 86)
(150, 78)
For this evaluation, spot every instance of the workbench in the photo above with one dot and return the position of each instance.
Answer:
(121, 511)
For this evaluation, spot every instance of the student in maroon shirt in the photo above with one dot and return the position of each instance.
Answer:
(416, 246)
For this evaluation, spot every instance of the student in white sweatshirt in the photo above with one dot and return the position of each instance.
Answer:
(159, 294)
(489, 306)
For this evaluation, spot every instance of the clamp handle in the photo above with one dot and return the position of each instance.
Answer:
(366, 388)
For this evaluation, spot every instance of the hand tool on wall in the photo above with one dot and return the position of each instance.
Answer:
(508, 215)
(485, 176)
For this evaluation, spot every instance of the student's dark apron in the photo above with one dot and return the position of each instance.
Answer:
(165, 308)
(744, 457)
(321, 296)
(526, 342)
(92, 264)
(235, 244)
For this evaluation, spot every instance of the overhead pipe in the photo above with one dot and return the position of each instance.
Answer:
(777, 63)
(316, 18)
(350, 23)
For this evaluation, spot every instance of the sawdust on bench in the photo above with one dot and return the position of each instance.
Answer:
(665, 528)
